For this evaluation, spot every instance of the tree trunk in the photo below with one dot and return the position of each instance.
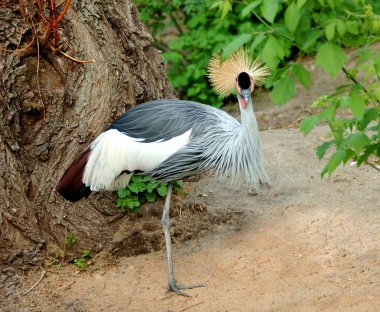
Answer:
(48, 117)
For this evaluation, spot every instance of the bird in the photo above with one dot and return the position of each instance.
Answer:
(173, 139)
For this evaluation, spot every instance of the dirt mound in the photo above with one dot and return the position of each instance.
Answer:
(190, 220)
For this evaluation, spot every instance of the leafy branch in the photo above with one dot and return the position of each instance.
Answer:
(353, 79)
(353, 115)
(282, 32)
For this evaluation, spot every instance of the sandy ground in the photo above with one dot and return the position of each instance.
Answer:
(306, 244)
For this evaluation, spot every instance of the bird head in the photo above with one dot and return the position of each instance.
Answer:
(244, 88)
(238, 72)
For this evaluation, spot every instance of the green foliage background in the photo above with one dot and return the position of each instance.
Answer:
(282, 32)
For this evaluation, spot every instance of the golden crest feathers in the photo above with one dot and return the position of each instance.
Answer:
(223, 74)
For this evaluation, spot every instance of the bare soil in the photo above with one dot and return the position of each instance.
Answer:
(305, 244)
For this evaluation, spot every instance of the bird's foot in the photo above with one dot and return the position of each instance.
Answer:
(173, 286)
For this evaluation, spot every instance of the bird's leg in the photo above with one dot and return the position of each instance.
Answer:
(165, 220)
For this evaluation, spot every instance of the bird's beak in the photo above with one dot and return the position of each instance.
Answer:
(245, 94)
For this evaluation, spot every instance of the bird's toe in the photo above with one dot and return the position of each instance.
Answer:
(173, 286)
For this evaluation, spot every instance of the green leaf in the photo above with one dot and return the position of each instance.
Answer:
(321, 149)
(344, 101)
(132, 202)
(328, 113)
(292, 17)
(269, 9)
(70, 240)
(124, 192)
(162, 189)
(349, 155)
(324, 171)
(179, 183)
(312, 37)
(331, 58)
(335, 160)
(376, 93)
(357, 104)
(136, 178)
(282, 91)
(308, 124)
(134, 187)
(356, 141)
(258, 39)
(370, 150)
(235, 45)
(273, 51)
(147, 178)
(302, 75)
(376, 64)
(364, 55)
(150, 197)
(151, 186)
(353, 27)
(330, 31)
(121, 203)
(300, 3)
(226, 8)
(86, 253)
(331, 3)
(370, 115)
(341, 28)
(216, 5)
(337, 127)
(249, 8)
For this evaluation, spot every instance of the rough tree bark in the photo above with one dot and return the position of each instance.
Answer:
(39, 139)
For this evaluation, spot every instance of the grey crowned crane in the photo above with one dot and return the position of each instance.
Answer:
(173, 139)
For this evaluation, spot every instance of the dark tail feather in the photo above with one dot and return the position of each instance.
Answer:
(71, 186)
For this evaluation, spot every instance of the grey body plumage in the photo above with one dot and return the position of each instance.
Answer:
(218, 142)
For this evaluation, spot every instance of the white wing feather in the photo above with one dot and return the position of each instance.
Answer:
(114, 152)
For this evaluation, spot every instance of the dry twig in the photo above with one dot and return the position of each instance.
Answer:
(192, 306)
(36, 284)
(75, 59)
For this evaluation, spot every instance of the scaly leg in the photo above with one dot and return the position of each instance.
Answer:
(165, 220)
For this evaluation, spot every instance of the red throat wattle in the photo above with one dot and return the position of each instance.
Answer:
(243, 102)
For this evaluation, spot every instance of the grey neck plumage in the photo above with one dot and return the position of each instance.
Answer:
(239, 157)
